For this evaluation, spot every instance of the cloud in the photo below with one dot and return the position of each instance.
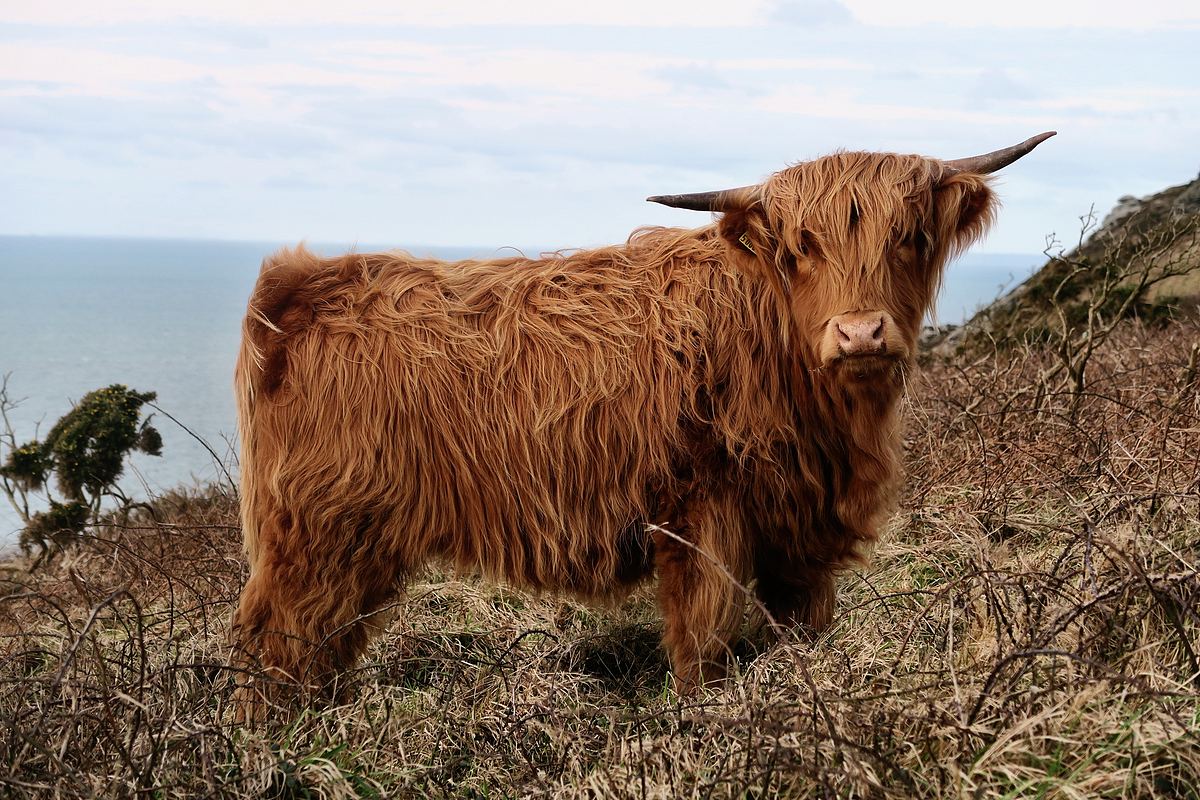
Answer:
(632, 14)
(1113, 14)
(286, 183)
(553, 135)
(810, 13)
(1000, 84)
(693, 76)
(291, 13)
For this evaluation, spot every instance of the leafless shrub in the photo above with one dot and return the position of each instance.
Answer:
(1095, 289)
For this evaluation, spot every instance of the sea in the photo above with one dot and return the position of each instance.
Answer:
(164, 315)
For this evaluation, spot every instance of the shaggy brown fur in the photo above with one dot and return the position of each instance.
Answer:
(527, 418)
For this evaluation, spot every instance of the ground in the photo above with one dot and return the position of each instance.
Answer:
(1028, 627)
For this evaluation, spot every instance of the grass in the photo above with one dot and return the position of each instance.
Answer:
(1028, 628)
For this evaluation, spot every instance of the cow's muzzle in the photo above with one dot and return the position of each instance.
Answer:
(869, 337)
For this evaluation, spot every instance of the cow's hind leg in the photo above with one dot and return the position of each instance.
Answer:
(796, 595)
(306, 614)
(700, 572)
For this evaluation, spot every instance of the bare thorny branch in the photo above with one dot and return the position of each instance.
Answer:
(1131, 264)
(18, 498)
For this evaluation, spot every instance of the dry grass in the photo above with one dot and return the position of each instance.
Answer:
(1028, 628)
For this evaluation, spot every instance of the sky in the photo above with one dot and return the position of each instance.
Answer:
(546, 124)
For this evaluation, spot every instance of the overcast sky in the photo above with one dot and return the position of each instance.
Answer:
(546, 123)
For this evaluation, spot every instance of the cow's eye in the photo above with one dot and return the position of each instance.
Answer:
(921, 245)
(808, 245)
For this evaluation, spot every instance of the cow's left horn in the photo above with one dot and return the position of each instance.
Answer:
(724, 200)
(990, 162)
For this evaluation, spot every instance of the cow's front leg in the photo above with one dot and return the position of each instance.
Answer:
(701, 569)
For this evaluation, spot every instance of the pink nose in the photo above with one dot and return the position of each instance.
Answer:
(860, 334)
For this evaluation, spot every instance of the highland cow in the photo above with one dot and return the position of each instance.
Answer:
(715, 406)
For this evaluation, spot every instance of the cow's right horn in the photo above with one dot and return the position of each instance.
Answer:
(723, 200)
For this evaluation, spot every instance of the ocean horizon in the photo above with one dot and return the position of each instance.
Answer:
(164, 315)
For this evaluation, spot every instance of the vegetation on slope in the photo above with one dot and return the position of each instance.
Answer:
(1029, 627)
(1143, 262)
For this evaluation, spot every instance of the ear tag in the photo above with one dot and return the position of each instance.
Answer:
(744, 241)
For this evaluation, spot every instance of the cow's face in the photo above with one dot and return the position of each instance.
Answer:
(856, 244)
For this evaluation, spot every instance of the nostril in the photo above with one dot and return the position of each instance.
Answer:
(877, 333)
(843, 337)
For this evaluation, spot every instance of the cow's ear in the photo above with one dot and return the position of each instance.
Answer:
(965, 207)
(755, 248)
(746, 232)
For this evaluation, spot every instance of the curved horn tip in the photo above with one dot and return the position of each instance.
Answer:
(670, 200)
(723, 200)
(698, 201)
(997, 159)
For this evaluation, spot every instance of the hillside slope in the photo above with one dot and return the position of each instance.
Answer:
(1142, 261)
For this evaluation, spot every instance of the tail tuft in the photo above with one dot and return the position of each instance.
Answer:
(278, 308)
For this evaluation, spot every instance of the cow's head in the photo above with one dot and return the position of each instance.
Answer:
(856, 244)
